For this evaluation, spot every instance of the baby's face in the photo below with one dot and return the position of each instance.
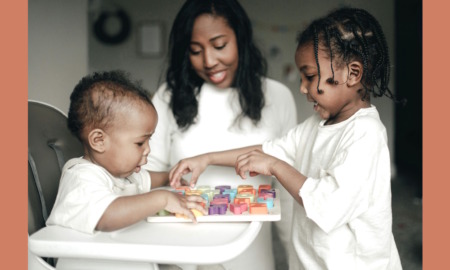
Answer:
(128, 140)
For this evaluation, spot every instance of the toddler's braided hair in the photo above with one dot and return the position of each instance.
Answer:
(349, 34)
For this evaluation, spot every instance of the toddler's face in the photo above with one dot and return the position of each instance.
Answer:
(336, 102)
(128, 140)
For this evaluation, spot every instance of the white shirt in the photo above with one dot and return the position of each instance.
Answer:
(86, 190)
(214, 129)
(346, 221)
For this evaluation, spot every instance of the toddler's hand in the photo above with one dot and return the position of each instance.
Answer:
(195, 165)
(179, 204)
(255, 162)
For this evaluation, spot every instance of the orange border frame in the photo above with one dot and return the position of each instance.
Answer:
(13, 118)
(14, 24)
(435, 133)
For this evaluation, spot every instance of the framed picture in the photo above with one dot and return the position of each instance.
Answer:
(150, 41)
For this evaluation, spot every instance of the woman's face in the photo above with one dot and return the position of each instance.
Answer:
(213, 50)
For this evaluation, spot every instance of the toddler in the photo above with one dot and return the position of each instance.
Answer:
(106, 189)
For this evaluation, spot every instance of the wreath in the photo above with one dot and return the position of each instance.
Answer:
(112, 39)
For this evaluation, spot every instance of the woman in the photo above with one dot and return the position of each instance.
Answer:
(217, 96)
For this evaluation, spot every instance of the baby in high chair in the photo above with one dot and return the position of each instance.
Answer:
(106, 189)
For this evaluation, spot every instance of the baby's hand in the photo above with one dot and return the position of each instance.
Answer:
(179, 204)
(195, 165)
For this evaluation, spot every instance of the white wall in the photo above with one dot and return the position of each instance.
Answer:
(275, 26)
(125, 55)
(57, 49)
(62, 47)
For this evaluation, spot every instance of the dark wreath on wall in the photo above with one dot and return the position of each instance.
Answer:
(112, 38)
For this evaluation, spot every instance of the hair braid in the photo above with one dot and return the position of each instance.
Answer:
(316, 55)
(351, 34)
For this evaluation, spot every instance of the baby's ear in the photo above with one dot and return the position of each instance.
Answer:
(355, 72)
(97, 140)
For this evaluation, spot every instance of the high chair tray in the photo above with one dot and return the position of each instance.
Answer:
(274, 214)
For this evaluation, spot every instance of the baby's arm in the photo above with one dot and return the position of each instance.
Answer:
(159, 179)
(127, 210)
(257, 162)
(196, 165)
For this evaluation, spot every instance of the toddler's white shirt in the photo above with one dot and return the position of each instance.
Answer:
(346, 221)
(86, 190)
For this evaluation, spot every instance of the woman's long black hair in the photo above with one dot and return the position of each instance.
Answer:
(185, 84)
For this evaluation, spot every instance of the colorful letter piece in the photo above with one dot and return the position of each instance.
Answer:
(248, 191)
(241, 187)
(242, 200)
(182, 190)
(220, 196)
(265, 195)
(231, 192)
(210, 194)
(251, 197)
(261, 187)
(196, 213)
(219, 201)
(163, 213)
(218, 209)
(239, 200)
(272, 191)
(203, 188)
(267, 200)
(238, 208)
(222, 188)
(258, 208)
(206, 197)
(193, 192)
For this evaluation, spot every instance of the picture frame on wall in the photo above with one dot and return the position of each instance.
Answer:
(150, 39)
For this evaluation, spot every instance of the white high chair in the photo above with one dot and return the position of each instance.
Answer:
(50, 144)
(140, 246)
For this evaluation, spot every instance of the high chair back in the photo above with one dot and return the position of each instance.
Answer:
(50, 145)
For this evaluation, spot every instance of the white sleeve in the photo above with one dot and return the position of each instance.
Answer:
(160, 143)
(356, 179)
(284, 148)
(83, 196)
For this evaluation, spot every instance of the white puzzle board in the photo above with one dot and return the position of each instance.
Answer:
(274, 214)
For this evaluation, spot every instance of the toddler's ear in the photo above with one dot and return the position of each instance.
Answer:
(355, 72)
(97, 140)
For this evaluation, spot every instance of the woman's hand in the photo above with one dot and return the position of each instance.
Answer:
(195, 165)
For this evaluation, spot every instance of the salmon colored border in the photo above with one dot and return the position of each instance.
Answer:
(13, 138)
(13, 119)
(436, 135)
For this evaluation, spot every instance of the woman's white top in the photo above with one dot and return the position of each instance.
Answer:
(216, 129)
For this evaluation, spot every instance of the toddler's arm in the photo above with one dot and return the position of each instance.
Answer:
(257, 162)
(127, 210)
(196, 165)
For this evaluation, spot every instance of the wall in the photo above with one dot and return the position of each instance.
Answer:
(57, 49)
(275, 29)
(62, 47)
